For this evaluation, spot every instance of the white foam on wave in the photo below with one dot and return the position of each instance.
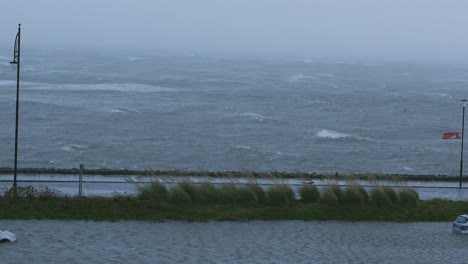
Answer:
(332, 134)
(408, 168)
(7, 83)
(300, 77)
(4, 83)
(134, 58)
(125, 110)
(73, 148)
(255, 116)
(243, 147)
(328, 75)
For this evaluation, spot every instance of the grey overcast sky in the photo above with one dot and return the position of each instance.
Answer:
(427, 29)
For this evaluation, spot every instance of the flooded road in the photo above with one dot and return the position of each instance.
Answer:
(231, 242)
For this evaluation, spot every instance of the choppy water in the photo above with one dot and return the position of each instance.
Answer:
(232, 242)
(139, 111)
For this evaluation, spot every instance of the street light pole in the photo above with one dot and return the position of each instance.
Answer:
(16, 60)
(463, 132)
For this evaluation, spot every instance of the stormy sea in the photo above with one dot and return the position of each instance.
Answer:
(120, 110)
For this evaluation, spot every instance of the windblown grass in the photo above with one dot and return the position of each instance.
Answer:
(408, 196)
(382, 194)
(309, 193)
(280, 194)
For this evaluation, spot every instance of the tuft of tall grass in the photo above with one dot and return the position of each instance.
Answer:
(280, 194)
(154, 190)
(206, 192)
(309, 193)
(354, 195)
(189, 188)
(257, 191)
(391, 193)
(379, 197)
(228, 192)
(408, 196)
(179, 196)
(329, 196)
(338, 192)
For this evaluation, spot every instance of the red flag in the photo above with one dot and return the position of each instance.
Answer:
(451, 135)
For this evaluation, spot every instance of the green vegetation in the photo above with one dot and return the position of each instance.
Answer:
(205, 201)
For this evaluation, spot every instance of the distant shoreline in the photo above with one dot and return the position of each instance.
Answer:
(231, 174)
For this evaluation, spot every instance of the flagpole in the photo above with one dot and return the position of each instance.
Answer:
(463, 132)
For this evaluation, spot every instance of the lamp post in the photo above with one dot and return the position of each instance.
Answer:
(462, 134)
(16, 60)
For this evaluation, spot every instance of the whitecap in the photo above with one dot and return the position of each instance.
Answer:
(408, 168)
(255, 116)
(331, 134)
(134, 58)
(7, 83)
(300, 77)
(329, 75)
(243, 147)
(73, 148)
(125, 110)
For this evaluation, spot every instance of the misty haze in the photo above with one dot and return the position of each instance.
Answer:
(310, 90)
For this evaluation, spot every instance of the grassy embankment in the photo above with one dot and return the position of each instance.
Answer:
(186, 200)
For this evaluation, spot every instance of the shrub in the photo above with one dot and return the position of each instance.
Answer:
(29, 192)
(47, 193)
(309, 193)
(379, 197)
(329, 196)
(280, 194)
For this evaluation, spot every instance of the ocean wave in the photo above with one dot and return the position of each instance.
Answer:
(4, 83)
(120, 87)
(300, 78)
(255, 116)
(243, 147)
(134, 58)
(125, 110)
(74, 148)
(330, 134)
